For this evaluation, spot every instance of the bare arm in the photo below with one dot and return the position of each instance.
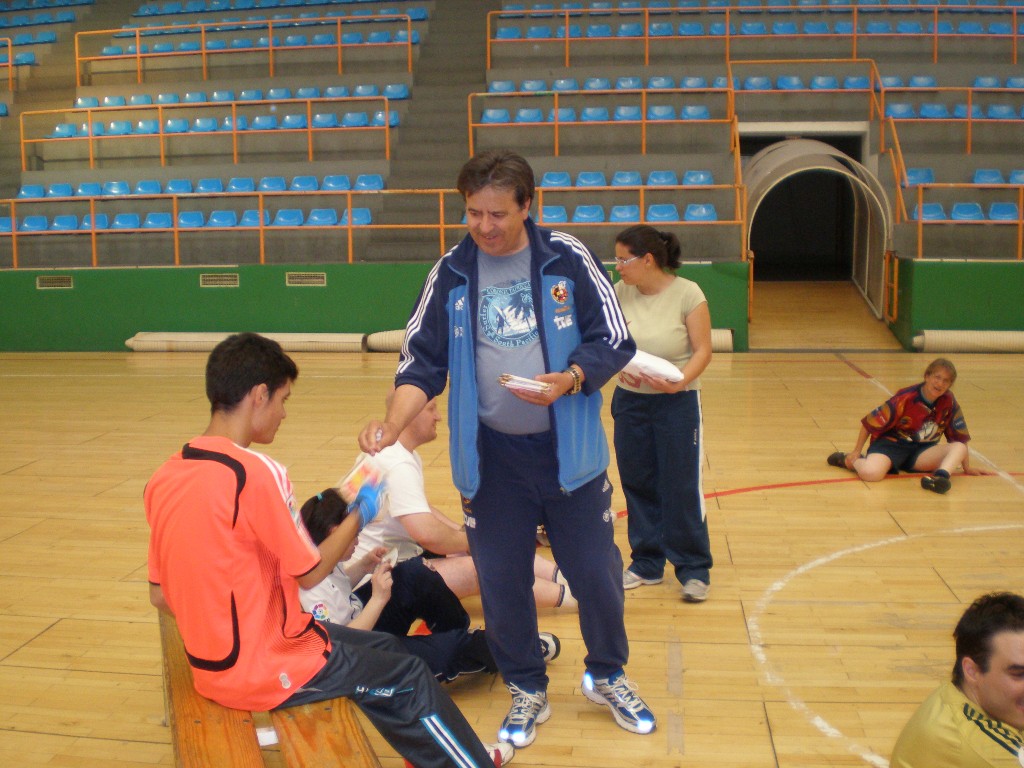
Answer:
(331, 551)
(435, 533)
(381, 581)
(862, 438)
(698, 328)
(156, 597)
(407, 402)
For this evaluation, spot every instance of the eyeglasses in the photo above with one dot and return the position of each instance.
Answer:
(623, 262)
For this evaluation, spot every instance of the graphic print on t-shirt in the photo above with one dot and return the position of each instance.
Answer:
(507, 317)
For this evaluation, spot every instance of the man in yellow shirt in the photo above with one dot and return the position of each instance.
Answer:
(977, 719)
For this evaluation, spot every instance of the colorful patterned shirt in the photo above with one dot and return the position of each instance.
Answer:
(908, 417)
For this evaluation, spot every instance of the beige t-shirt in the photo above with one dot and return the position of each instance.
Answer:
(658, 325)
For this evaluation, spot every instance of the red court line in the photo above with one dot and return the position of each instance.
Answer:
(856, 368)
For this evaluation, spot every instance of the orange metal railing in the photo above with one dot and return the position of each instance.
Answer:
(207, 31)
(35, 121)
(7, 47)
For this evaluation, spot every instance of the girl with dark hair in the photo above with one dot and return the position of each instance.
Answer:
(659, 431)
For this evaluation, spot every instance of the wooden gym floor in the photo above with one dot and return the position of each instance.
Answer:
(832, 600)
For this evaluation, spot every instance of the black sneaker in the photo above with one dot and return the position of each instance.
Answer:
(550, 647)
(837, 459)
(936, 483)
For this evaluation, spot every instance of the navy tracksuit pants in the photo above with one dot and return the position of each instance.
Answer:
(519, 490)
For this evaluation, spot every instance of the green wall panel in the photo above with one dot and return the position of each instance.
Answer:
(107, 306)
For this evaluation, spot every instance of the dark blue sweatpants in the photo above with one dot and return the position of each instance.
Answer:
(519, 490)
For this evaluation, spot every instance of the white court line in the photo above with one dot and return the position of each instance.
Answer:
(757, 643)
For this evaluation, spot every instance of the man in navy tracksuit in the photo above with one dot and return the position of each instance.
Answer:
(513, 298)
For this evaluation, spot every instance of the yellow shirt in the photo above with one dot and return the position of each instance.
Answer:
(948, 731)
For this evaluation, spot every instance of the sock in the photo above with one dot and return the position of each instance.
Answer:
(558, 577)
(565, 598)
(941, 473)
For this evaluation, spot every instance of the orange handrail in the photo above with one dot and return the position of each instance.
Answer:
(7, 45)
(203, 29)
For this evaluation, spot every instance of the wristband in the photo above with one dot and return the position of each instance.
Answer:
(577, 381)
(367, 504)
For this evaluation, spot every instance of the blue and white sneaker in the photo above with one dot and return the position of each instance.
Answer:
(618, 693)
(528, 711)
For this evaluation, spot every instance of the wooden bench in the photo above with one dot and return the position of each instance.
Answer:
(205, 734)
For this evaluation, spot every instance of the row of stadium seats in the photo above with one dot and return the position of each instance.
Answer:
(380, 37)
(658, 212)
(621, 113)
(40, 19)
(179, 125)
(784, 82)
(917, 176)
(394, 91)
(939, 111)
(967, 211)
(285, 217)
(22, 59)
(291, 19)
(753, 28)
(754, 6)
(199, 6)
(364, 182)
(660, 178)
(39, 38)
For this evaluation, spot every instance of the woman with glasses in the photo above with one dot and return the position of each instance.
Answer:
(658, 423)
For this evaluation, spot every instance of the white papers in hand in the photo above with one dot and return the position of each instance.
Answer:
(652, 365)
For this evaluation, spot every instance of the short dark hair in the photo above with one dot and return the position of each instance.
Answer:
(503, 169)
(323, 512)
(641, 239)
(941, 362)
(986, 617)
(241, 362)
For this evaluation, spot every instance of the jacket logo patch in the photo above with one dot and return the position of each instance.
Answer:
(563, 322)
(559, 292)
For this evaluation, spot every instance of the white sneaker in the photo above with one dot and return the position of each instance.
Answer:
(501, 752)
(527, 712)
(631, 580)
(695, 591)
(619, 694)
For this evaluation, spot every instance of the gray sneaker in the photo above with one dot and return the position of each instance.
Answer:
(528, 711)
(631, 580)
(695, 591)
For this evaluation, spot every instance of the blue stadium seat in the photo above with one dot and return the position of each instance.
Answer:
(493, 115)
(275, 94)
(661, 29)
(533, 85)
(102, 222)
(628, 112)
(900, 110)
(529, 115)
(960, 112)
(1015, 82)
(239, 123)
(325, 120)
(204, 125)
(626, 179)
(64, 222)
(33, 223)
(1003, 211)
(988, 176)
(336, 92)
(588, 214)
(817, 27)
(508, 33)
(562, 115)
(62, 131)
(31, 191)
(1001, 112)
(209, 186)
(322, 217)
(757, 83)
(304, 184)
(1016, 176)
(288, 217)
(594, 114)
(251, 218)
(661, 112)
(662, 179)
(909, 28)
(934, 111)
(368, 182)
(89, 129)
(784, 28)
(987, 81)
(753, 28)
(5, 224)
(574, 31)
(691, 29)
(597, 84)
(694, 112)
(113, 101)
(878, 28)
(856, 82)
(693, 81)
(662, 212)
(967, 211)
(553, 214)
(250, 94)
(116, 188)
(921, 81)
(929, 212)
(355, 120)
(591, 179)
(272, 184)
(789, 83)
(89, 189)
(629, 29)
(361, 217)
(700, 212)
(539, 32)
(241, 184)
(195, 97)
(598, 30)
(307, 92)
(176, 125)
(824, 83)
(624, 214)
(917, 176)
(335, 182)
(157, 220)
(324, 38)
(148, 187)
(118, 128)
(565, 84)
(661, 81)
(295, 122)
(556, 179)
(140, 99)
(178, 187)
(501, 86)
(695, 178)
(222, 219)
(168, 98)
(264, 123)
(190, 219)
(970, 28)
(396, 91)
(296, 41)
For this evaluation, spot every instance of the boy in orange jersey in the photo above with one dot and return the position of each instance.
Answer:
(228, 554)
